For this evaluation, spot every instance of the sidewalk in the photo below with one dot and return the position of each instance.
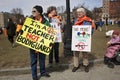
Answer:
(27, 70)
(98, 72)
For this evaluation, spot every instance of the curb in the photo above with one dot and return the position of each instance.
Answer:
(27, 70)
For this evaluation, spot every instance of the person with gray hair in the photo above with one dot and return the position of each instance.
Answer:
(81, 10)
(82, 20)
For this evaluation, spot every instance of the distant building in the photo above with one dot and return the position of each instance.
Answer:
(114, 9)
(3, 18)
(5, 15)
(105, 9)
(111, 9)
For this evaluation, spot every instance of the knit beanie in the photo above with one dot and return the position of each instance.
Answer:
(39, 9)
(116, 32)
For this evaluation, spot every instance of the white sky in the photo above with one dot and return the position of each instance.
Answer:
(26, 5)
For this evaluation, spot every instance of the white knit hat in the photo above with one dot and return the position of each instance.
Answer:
(81, 10)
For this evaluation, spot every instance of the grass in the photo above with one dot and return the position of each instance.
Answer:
(18, 57)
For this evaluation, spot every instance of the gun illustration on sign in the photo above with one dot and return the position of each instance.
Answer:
(81, 46)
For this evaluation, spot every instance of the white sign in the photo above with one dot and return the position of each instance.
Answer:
(58, 35)
(81, 38)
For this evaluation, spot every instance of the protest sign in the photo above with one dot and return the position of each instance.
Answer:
(58, 35)
(81, 38)
(37, 36)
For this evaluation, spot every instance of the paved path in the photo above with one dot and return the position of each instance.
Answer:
(98, 72)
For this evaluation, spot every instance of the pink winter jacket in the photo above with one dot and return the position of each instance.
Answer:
(113, 47)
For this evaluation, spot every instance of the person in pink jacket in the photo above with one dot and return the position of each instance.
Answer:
(113, 45)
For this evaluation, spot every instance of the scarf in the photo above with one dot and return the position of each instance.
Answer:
(85, 18)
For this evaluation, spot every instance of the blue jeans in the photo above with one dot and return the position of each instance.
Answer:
(34, 57)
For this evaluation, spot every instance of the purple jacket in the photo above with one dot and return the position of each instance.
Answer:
(113, 47)
(115, 39)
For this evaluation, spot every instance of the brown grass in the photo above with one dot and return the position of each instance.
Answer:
(18, 57)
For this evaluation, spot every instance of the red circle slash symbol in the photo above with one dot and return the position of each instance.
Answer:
(81, 46)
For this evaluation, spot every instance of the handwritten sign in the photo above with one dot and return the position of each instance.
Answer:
(58, 35)
(81, 38)
(37, 36)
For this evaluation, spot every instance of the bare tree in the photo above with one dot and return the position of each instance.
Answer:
(88, 12)
(97, 13)
(17, 11)
(81, 5)
(60, 9)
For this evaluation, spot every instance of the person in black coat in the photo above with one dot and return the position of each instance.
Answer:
(11, 30)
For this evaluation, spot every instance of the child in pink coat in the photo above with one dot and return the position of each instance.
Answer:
(113, 45)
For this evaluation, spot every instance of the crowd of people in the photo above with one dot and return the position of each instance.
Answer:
(50, 17)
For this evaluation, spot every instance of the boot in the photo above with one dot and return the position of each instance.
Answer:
(86, 68)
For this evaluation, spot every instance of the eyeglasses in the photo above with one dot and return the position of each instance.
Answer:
(33, 11)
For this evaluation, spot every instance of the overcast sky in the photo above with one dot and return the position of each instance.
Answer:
(26, 5)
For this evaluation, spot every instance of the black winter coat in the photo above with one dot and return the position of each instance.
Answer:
(11, 29)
